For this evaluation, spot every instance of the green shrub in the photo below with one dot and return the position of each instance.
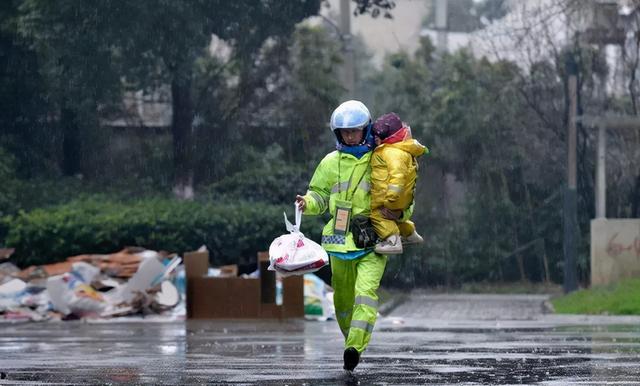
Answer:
(44, 192)
(233, 232)
(277, 184)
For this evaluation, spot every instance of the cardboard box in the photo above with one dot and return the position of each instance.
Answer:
(235, 297)
(196, 264)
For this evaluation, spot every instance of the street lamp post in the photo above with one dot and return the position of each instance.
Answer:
(602, 30)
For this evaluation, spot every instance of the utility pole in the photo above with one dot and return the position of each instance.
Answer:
(441, 25)
(348, 68)
(571, 196)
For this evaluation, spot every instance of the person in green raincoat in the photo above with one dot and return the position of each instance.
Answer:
(341, 185)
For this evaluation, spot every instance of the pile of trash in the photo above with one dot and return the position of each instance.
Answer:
(133, 281)
(318, 299)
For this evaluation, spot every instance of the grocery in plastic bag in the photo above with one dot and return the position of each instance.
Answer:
(294, 254)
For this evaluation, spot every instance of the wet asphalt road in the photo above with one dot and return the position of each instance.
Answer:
(426, 340)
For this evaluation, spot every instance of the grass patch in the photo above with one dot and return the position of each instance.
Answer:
(622, 298)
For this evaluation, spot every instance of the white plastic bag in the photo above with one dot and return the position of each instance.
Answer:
(294, 254)
(85, 271)
(70, 295)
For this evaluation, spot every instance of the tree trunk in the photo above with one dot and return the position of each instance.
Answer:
(70, 142)
(635, 204)
(181, 129)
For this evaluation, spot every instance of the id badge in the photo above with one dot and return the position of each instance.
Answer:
(343, 216)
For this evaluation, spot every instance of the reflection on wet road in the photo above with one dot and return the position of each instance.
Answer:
(408, 347)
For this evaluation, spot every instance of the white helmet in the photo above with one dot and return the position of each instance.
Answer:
(350, 115)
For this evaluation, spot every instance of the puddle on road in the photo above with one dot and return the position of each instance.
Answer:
(485, 371)
(275, 355)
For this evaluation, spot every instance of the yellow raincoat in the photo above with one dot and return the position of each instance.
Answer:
(393, 181)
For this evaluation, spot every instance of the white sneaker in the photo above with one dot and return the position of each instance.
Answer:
(413, 238)
(389, 246)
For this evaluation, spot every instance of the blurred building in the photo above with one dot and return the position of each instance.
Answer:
(382, 35)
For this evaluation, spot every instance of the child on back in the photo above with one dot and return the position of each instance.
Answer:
(393, 181)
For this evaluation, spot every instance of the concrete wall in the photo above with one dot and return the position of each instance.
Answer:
(615, 250)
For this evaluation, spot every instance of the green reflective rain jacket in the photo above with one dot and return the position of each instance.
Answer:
(339, 177)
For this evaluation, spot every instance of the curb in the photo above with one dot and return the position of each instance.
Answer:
(388, 307)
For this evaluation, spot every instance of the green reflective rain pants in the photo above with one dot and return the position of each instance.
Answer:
(355, 283)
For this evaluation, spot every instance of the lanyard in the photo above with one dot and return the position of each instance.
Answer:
(353, 191)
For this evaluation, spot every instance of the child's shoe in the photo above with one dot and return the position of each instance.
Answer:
(392, 245)
(413, 238)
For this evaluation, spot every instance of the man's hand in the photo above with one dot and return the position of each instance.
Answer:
(302, 204)
(391, 214)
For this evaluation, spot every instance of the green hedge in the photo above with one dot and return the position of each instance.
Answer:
(233, 232)
(276, 184)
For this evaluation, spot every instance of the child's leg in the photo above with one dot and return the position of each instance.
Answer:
(409, 234)
(383, 227)
(388, 232)
(406, 228)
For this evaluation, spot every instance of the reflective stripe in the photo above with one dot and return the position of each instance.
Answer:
(318, 199)
(368, 327)
(367, 301)
(334, 239)
(395, 188)
(340, 187)
(344, 186)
